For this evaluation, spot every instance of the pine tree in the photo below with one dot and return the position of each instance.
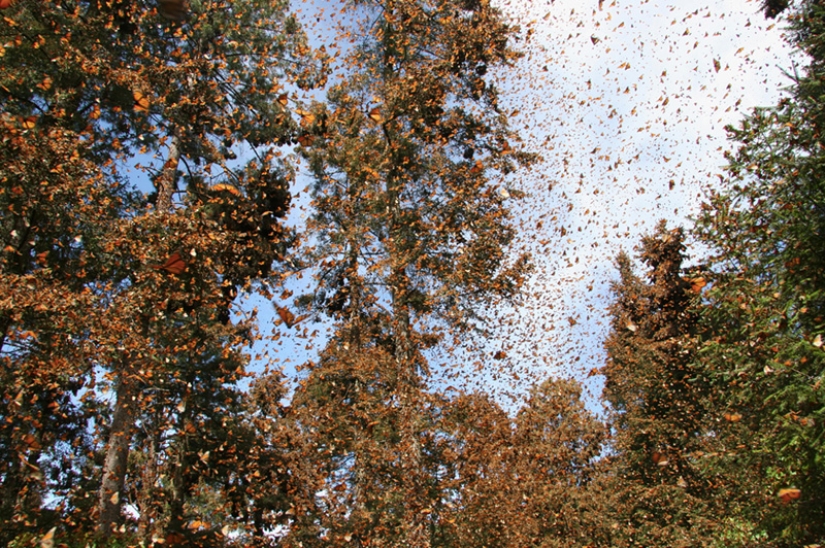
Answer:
(520, 481)
(108, 289)
(658, 401)
(410, 229)
(764, 319)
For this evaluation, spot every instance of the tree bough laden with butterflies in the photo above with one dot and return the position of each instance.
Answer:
(141, 292)
(411, 232)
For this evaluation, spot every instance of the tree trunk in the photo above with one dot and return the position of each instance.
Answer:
(117, 455)
(147, 497)
(166, 182)
(415, 528)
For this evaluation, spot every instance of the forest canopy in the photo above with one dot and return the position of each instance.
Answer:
(149, 186)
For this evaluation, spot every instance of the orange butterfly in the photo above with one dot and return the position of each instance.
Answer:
(732, 417)
(306, 140)
(787, 495)
(141, 102)
(225, 187)
(175, 264)
(696, 284)
(5, 3)
(660, 459)
(288, 317)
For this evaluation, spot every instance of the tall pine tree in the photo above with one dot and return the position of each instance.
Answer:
(764, 319)
(658, 402)
(108, 289)
(410, 228)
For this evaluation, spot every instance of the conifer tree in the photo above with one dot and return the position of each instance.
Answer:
(658, 401)
(410, 228)
(110, 289)
(764, 319)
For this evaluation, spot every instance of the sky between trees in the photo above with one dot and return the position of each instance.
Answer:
(627, 106)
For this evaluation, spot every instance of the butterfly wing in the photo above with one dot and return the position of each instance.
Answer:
(286, 316)
(141, 102)
(175, 264)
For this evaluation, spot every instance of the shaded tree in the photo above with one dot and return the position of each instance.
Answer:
(519, 481)
(110, 289)
(764, 317)
(661, 492)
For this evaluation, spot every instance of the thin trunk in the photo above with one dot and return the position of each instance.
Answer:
(166, 182)
(415, 528)
(117, 455)
(176, 504)
(120, 436)
(147, 525)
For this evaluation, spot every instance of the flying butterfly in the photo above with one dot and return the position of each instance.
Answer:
(141, 102)
(175, 264)
(788, 495)
(47, 540)
(173, 10)
(375, 115)
(288, 317)
(696, 284)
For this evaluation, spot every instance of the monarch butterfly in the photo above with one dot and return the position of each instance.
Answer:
(306, 140)
(47, 540)
(696, 284)
(172, 10)
(732, 417)
(659, 458)
(141, 102)
(787, 495)
(225, 187)
(175, 264)
(375, 114)
(288, 317)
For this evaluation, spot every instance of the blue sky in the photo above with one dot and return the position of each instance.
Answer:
(627, 104)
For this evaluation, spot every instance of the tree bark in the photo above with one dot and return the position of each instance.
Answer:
(166, 181)
(117, 455)
(415, 527)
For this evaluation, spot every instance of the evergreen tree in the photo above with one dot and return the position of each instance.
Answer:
(108, 289)
(658, 400)
(410, 230)
(519, 482)
(764, 319)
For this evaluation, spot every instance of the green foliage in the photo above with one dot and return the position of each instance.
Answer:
(661, 492)
(762, 347)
